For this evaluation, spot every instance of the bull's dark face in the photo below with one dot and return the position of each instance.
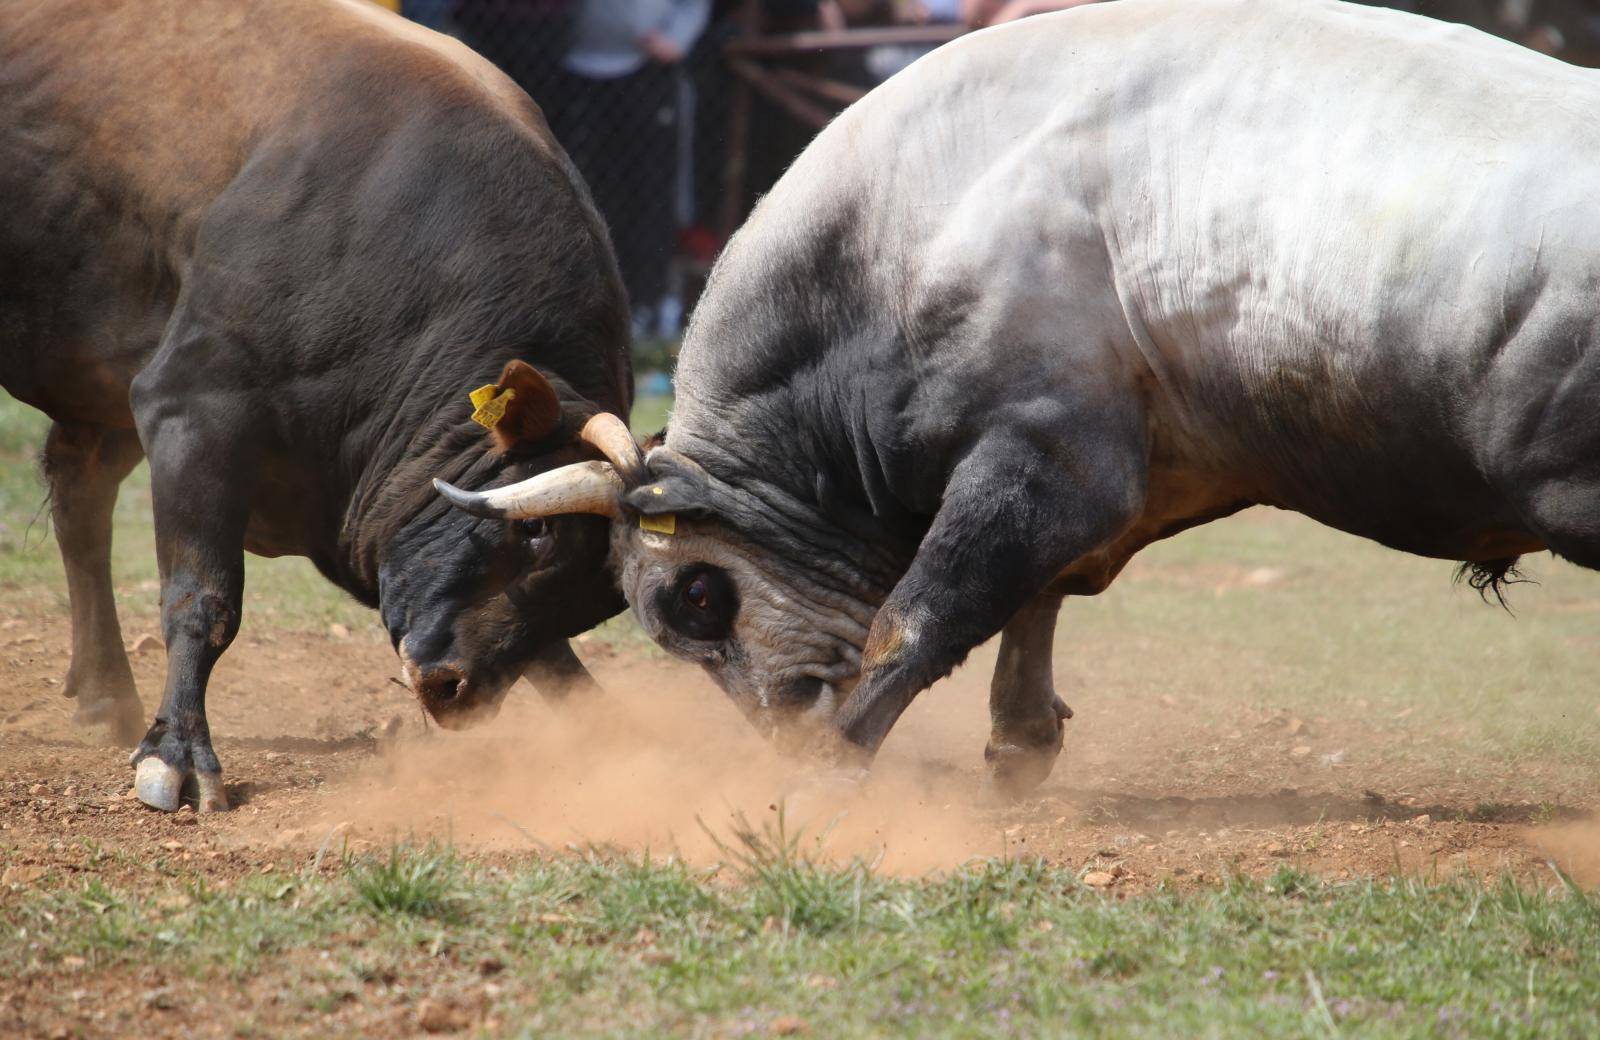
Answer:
(471, 602)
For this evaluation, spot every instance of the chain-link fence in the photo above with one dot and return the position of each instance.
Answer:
(680, 113)
(644, 119)
(675, 126)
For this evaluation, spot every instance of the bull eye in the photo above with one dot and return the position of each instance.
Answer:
(701, 603)
(537, 542)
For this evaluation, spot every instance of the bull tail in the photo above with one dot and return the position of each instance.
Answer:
(1492, 577)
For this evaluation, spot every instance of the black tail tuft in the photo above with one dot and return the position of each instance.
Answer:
(1492, 576)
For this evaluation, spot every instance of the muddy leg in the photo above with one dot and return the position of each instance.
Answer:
(200, 482)
(84, 465)
(1027, 718)
(558, 674)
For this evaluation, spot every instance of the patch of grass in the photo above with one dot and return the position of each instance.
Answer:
(608, 945)
(420, 883)
(24, 520)
(1291, 881)
(790, 888)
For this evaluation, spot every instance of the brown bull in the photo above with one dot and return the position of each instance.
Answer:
(269, 247)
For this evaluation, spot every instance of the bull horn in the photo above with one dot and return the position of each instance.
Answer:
(583, 487)
(610, 434)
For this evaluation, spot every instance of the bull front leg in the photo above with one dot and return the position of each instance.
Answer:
(84, 464)
(1027, 719)
(1014, 516)
(200, 484)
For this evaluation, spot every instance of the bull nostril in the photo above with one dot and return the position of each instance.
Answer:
(440, 688)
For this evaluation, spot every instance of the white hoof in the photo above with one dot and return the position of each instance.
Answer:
(158, 785)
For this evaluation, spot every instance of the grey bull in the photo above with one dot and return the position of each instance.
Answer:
(1065, 288)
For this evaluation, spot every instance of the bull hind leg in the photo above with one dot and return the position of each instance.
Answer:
(84, 465)
(1027, 719)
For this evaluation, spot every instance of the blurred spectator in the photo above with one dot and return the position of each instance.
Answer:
(629, 127)
(939, 11)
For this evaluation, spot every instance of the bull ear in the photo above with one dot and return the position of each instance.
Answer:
(532, 411)
(677, 485)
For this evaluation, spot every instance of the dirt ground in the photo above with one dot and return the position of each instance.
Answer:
(322, 750)
(324, 753)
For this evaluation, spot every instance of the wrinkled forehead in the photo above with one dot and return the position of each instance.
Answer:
(658, 549)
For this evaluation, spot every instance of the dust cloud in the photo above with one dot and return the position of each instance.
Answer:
(1573, 846)
(660, 764)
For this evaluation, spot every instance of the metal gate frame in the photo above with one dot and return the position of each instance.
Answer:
(763, 65)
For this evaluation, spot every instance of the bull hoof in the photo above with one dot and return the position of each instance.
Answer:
(1014, 772)
(1021, 761)
(161, 786)
(158, 785)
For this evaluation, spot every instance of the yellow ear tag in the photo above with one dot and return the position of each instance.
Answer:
(666, 523)
(489, 405)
